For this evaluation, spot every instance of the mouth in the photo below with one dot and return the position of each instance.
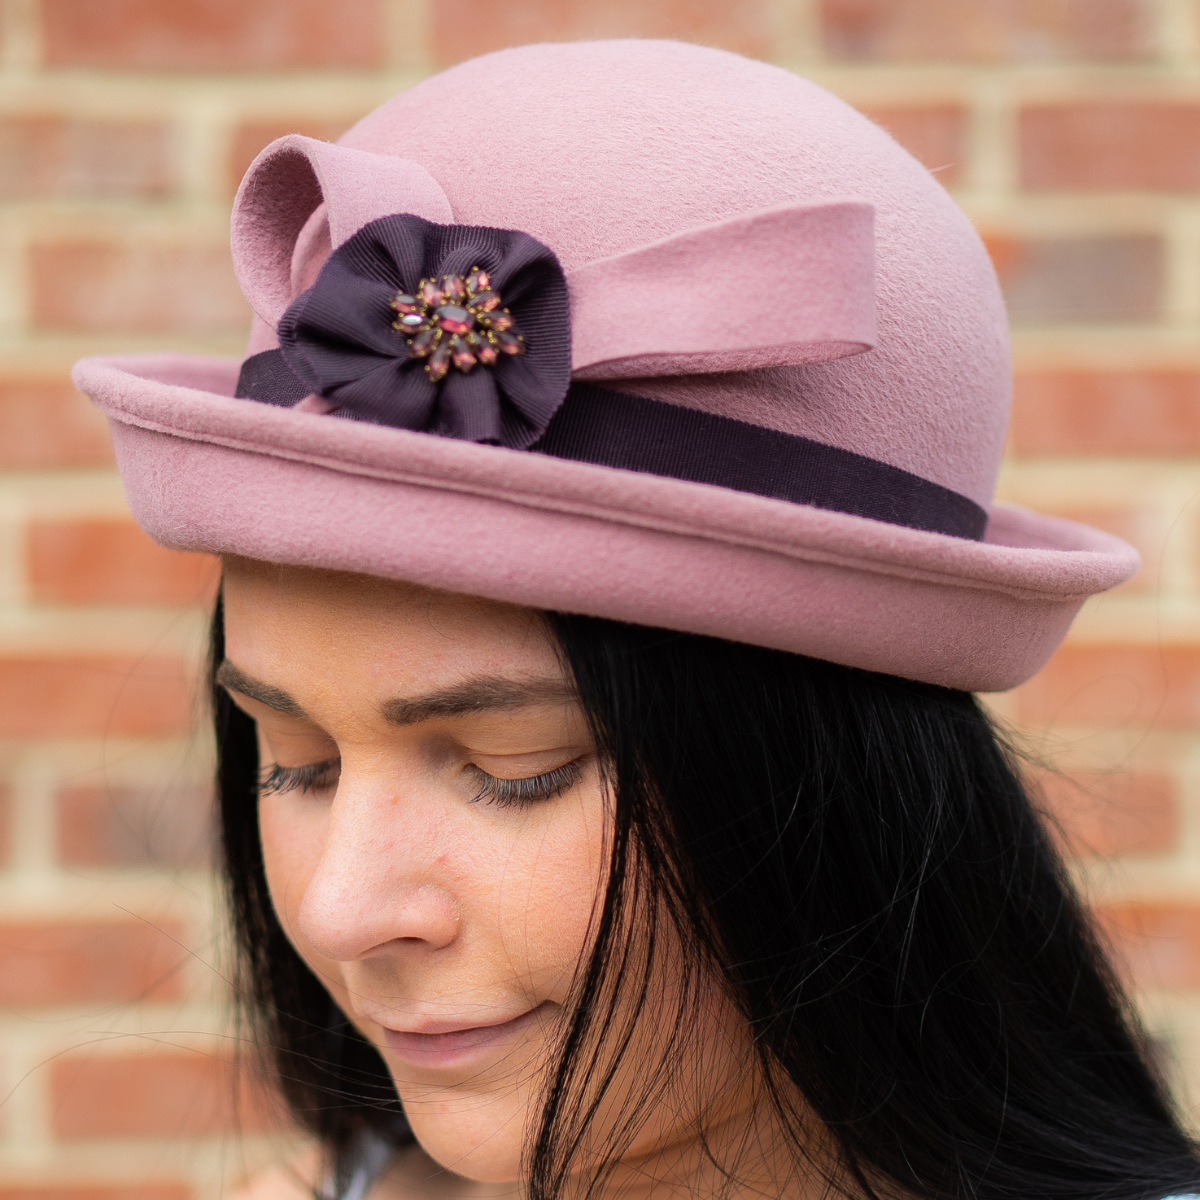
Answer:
(443, 1047)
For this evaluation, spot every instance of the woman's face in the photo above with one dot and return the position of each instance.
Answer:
(433, 828)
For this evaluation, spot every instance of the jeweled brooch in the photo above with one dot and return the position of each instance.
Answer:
(459, 320)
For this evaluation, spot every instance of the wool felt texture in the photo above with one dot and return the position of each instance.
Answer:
(233, 476)
(612, 151)
(614, 429)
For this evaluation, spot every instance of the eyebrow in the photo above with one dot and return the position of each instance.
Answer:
(489, 693)
(236, 680)
(485, 694)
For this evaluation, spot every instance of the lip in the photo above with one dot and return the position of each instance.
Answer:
(433, 1047)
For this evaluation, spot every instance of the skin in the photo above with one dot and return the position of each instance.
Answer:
(446, 918)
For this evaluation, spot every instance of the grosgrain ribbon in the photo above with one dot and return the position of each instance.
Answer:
(635, 433)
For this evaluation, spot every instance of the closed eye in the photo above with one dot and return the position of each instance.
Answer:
(319, 776)
(311, 777)
(512, 792)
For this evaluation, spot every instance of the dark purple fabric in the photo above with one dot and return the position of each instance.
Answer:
(615, 429)
(633, 433)
(266, 377)
(337, 338)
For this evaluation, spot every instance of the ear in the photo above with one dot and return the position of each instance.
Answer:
(284, 187)
(783, 286)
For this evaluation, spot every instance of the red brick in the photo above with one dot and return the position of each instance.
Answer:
(128, 827)
(464, 28)
(94, 696)
(47, 423)
(1116, 685)
(1107, 412)
(986, 30)
(1111, 146)
(112, 562)
(251, 136)
(74, 1191)
(934, 135)
(1080, 278)
(140, 287)
(212, 34)
(1105, 814)
(162, 1095)
(74, 158)
(1157, 944)
(65, 963)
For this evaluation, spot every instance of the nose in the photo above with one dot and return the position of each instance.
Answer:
(375, 883)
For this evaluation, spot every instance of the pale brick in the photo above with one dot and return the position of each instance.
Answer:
(170, 827)
(135, 287)
(1111, 145)
(987, 30)
(1130, 412)
(56, 963)
(1075, 279)
(465, 28)
(1115, 686)
(47, 423)
(114, 696)
(161, 1095)
(1157, 944)
(104, 561)
(225, 35)
(74, 158)
(1104, 814)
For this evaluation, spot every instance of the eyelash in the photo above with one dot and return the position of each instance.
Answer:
(504, 793)
(275, 780)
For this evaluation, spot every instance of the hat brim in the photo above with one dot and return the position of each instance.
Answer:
(207, 472)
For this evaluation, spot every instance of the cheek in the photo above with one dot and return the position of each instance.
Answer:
(545, 895)
(292, 840)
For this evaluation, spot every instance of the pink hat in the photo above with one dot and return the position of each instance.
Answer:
(633, 329)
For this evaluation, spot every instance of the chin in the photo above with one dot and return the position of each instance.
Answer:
(458, 1141)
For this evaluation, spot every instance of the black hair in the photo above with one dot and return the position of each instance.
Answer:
(858, 859)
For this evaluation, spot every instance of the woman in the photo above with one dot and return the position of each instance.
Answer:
(609, 563)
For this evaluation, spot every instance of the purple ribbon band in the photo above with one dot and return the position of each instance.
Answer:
(634, 433)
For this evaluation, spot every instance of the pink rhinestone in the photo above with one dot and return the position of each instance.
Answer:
(497, 321)
(454, 319)
(485, 302)
(464, 360)
(454, 289)
(478, 280)
(485, 351)
(509, 343)
(429, 293)
(405, 303)
(439, 361)
(409, 323)
(425, 341)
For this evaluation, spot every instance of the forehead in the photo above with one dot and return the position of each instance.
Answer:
(297, 621)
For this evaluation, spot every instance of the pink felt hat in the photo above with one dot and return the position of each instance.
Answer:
(634, 329)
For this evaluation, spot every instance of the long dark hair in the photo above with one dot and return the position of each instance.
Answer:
(857, 858)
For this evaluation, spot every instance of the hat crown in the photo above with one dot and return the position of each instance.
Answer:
(597, 149)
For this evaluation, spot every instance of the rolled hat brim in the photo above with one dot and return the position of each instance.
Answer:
(207, 472)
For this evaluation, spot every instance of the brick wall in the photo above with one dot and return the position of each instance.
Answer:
(1068, 129)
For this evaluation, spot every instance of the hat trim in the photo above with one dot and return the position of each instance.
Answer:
(1085, 560)
(634, 433)
(628, 432)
